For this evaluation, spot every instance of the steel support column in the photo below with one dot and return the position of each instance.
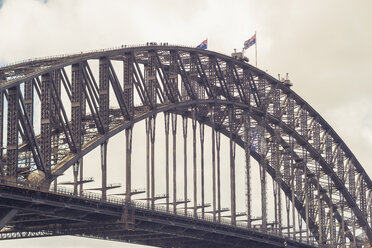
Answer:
(291, 142)
(152, 139)
(150, 76)
(232, 166)
(195, 181)
(201, 130)
(166, 126)
(12, 134)
(212, 80)
(173, 76)
(45, 121)
(84, 98)
(174, 134)
(287, 180)
(184, 132)
(275, 158)
(28, 99)
(128, 168)
(291, 169)
(306, 195)
(213, 162)
(29, 96)
(352, 189)
(278, 180)
(56, 111)
(319, 196)
(104, 169)
(56, 75)
(362, 200)
(76, 113)
(193, 75)
(341, 175)
(81, 176)
(75, 171)
(148, 190)
(218, 149)
(128, 83)
(247, 150)
(329, 155)
(104, 100)
(262, 150)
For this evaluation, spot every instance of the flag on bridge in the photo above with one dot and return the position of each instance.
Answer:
(203, 45)
(250, 42)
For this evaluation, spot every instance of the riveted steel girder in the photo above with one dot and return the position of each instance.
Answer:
(207, 78)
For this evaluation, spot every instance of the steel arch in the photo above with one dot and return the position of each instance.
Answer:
(242, 91)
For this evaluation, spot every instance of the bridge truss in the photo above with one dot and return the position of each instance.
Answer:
(54, 111)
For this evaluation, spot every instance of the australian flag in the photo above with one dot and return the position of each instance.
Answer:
(250, 42)
(203, 45)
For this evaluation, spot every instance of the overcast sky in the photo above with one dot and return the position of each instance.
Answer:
(325, 46)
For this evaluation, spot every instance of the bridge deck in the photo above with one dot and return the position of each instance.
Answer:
(41, 212)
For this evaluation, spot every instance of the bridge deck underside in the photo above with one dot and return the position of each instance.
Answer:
(41, 213)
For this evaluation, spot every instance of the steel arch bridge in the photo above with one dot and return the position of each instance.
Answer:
(56, 110)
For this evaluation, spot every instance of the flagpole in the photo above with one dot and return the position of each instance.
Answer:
(255, 45)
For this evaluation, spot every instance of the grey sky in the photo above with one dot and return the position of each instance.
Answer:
(325, 46)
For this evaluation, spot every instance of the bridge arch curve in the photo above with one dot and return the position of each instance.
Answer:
(201, 78)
